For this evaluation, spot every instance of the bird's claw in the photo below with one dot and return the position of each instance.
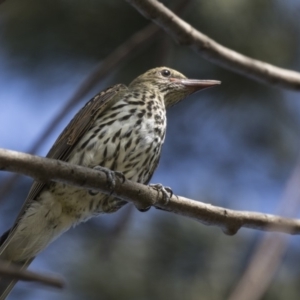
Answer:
(111, 178)
(165, 190)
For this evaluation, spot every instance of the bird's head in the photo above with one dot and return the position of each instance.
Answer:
(173, 85)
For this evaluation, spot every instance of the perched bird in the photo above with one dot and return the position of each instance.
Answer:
(121, 129)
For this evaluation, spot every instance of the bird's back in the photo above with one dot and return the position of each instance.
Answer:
(127, 138)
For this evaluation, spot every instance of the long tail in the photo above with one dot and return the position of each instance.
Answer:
(7, 283)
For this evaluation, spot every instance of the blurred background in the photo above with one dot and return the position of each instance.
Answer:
(234, 146)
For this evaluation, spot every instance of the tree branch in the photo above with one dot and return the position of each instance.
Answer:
(268, 254)
(13, 271)
(45, 169)
(120, 55)
(185, 34)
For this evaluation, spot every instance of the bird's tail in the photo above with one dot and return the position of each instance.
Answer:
(6, 286)
(6, 282)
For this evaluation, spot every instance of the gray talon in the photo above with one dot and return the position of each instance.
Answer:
(166, 191)
(121, 176)
(169, 190)
(111, 177)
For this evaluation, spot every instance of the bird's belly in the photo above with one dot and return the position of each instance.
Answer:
(57, 208)
(122, 147)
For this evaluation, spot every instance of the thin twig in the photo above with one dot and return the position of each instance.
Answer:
(121, 54)
(269, 252)
(45, 169)
(185, 34)
(13, 271)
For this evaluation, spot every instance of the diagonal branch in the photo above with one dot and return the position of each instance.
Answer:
(269, 252)
(45, 169)
(185, 34)
(13, 271)
(121, 54)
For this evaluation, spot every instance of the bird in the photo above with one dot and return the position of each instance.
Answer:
(121, 129)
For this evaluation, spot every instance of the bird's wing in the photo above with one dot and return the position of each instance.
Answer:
(68, 139)
(77, 127)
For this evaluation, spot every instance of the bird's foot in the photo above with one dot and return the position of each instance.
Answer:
(165, 190)
(111, 178)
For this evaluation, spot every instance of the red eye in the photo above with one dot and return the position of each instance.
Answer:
(165, 73)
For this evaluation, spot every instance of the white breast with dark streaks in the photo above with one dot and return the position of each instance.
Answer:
(126, 143)
(131, 144)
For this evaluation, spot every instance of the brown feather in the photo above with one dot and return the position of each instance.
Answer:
(70, 136)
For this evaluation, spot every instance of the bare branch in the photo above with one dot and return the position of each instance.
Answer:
(45, 169)
(185, 34)
(13, 271)
(120, 55)
(269, 253)
(260, 270)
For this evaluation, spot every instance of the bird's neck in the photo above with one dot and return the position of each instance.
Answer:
(148, 94)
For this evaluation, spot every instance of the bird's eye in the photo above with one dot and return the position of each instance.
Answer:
(165, 73)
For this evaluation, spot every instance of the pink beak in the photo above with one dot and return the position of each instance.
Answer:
(196, 84)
